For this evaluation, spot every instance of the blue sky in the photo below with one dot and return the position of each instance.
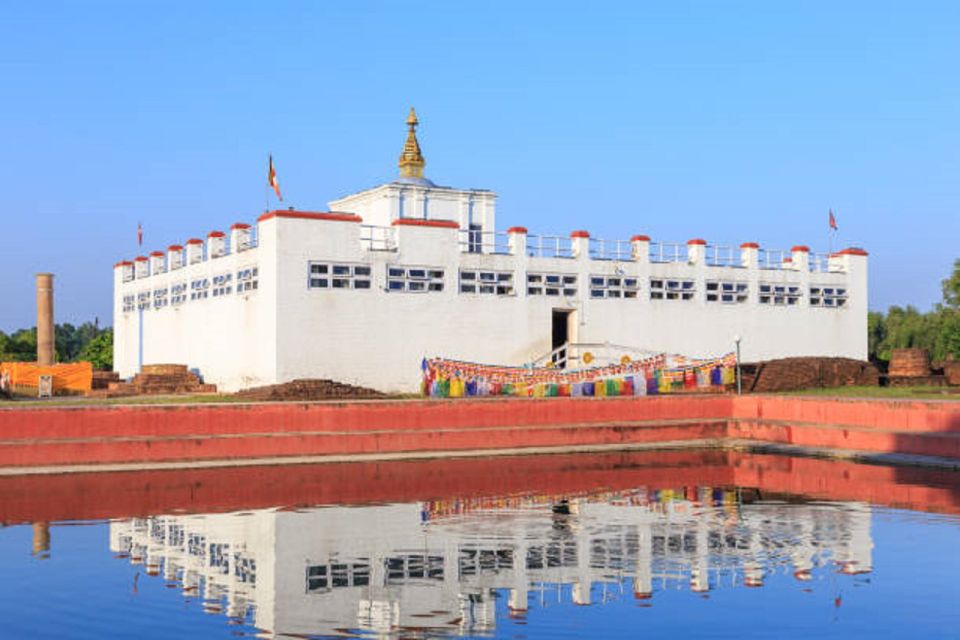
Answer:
(732, 121)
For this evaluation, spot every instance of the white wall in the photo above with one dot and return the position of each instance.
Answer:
(385, 203)
(377, 338)
(230, 339)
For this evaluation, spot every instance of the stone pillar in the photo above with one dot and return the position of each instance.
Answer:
(45, 337)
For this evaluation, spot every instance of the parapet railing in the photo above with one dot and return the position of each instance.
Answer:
(773, 258)
(476, 241)
(539, 246)
(375, 238)
(640, 248)
(668, 252)
(820, 263)
(618, 250)
(722, 256)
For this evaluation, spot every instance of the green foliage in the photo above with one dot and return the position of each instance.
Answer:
(19, 346)
(938, 331)
(99, 351)
(86, 342)
(951, 288)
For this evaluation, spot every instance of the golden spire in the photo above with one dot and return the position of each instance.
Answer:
(411, 160)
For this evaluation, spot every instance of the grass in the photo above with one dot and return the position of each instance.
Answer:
(906, 393)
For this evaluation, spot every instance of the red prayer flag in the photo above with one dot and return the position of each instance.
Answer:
(833, 221)
(139, 234)
(272, 180)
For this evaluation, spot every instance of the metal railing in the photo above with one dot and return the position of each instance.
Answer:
(374, 238)
(773, 258)
(476, 241)
(574, 355)
(722, 256)
(668, 252)
(820, 263)
(620, 250)
(549, 247)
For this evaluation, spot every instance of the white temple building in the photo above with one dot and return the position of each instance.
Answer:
(363, 292)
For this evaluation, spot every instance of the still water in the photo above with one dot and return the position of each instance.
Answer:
(616, 545)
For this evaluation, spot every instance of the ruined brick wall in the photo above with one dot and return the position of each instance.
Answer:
(792, 374)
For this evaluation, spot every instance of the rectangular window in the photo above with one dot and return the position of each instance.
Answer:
(552, 284)
(613, 287)
(129, 303)
(499, 283)
(828, 296)
(727, 292)
(178, 293)
(143, 300)
(780, 295)
(200, 289)
(672, 289)
(222, 284)
(414, 279)
(328, 275)
(159, 298)
(247, 279)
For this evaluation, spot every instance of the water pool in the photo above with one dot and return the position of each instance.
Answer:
(616, 545)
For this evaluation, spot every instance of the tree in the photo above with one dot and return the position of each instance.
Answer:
(951, 288)
(876, 333)
(99, 351)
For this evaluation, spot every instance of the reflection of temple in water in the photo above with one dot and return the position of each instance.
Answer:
(436, 565)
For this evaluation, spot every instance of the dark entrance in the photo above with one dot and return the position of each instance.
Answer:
(561, 335)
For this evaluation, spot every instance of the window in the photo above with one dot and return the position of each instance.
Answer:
(780, 295)
(159, 298)
(552, 284)
(222, 284)
(670, 289)
(613, 287)
(727, 292)
(247, 279)
(475, 238)
(400, 569)
(178, 293)
(323, 577)
(498, 283)
(326, 275)
(129, 303)
(828, 296)
(200, 289)
(414, 279)
(143, 300)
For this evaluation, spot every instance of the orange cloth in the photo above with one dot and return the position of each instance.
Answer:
(76, 376)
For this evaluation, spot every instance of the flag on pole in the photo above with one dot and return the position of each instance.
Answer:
(139, 234)
(833, 221)
(272, 180)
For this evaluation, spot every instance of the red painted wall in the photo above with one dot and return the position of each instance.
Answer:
(91, 435)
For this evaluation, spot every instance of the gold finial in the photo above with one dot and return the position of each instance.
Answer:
(411, 160)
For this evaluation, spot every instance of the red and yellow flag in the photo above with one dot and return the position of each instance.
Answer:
(272, 180)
